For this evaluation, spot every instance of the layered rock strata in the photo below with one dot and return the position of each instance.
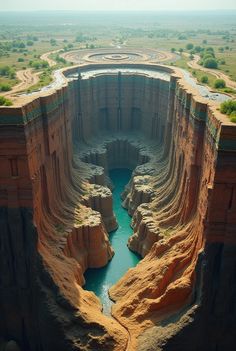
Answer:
(56, 211)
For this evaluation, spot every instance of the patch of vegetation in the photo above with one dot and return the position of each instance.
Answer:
(38, 64)
(4, 101)
(228, 90)
(53, 42)
(229, 108)
(45, 78)
(5, 87)
(204, 79)
(210, 63)
(233, 117)
(59, 59)
(219, 84)
(7, 71)
(68, 47)
(189, 46)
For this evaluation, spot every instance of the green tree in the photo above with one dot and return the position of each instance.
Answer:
(189, 46)
(53, 42)
(198, 48)
(204, 79)
(7, 71)
(5, 87)
(219, 84)
(210, 63)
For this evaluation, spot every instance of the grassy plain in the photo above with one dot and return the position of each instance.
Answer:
(42, 32)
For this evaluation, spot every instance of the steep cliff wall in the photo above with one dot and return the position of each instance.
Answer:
(56, 209)
(184, 233)
(44, 306)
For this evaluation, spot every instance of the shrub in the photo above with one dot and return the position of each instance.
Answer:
(189, 46)
(233, 117)
(21, 45)
(228, 107)
(210, 63)
(4, 101)
(198, 48)
(7, 71)
(53, 42)
(229, 90)
(20, 59)
(219, 83)
(204, 79)
(5, 87)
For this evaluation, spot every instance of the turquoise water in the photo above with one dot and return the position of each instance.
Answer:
(101, 279)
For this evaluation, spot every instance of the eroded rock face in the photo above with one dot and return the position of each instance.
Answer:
(56, 212)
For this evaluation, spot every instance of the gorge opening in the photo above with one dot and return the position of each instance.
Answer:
(99, 280)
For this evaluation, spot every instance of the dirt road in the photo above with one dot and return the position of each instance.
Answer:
(219, 74)
(46, 57)
(27, 78)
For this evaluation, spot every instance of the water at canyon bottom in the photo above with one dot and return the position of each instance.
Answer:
(100, 280)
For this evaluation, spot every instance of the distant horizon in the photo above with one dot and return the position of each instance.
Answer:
(121, 6)
(120, 10)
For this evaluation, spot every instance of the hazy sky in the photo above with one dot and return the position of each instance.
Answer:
(116, 5)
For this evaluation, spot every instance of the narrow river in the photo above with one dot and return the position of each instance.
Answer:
(100, 280)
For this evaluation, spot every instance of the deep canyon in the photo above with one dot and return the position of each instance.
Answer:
(56, 213)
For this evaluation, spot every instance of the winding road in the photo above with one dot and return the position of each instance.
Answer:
(45, 57)
(217, 73)
(27, 77)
